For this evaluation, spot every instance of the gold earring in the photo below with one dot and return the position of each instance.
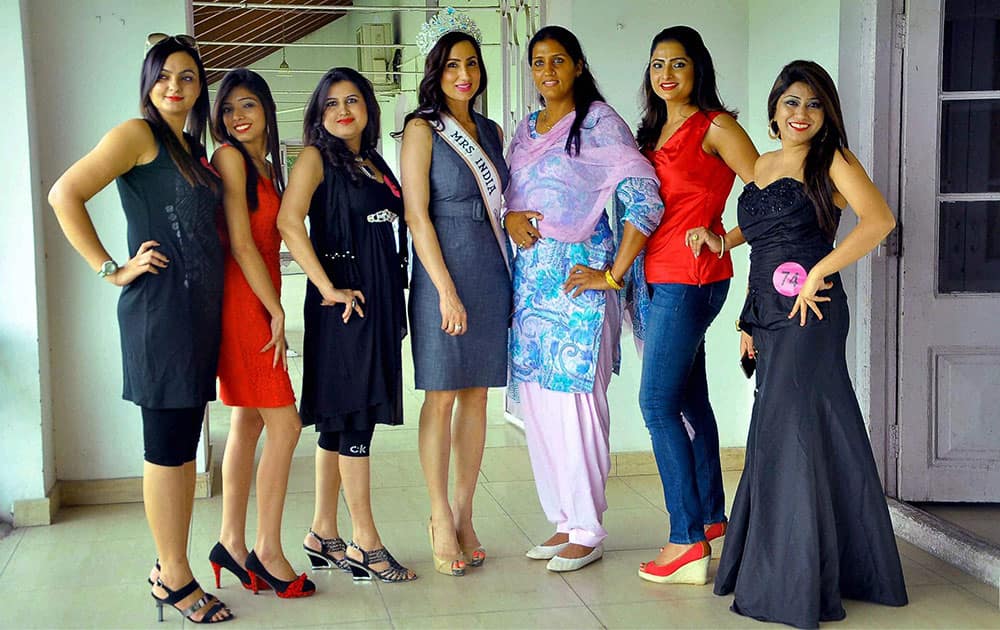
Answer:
(772, 131)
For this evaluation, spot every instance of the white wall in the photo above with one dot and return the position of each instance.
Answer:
(749, 40)
(87, 59)
(780, 33)
(25, 416)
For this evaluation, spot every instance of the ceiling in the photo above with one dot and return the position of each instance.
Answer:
(227, 23)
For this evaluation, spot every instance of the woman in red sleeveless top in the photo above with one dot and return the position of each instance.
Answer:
(253, 375)
(697, 148)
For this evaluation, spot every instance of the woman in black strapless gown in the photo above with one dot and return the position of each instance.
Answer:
(809, 524)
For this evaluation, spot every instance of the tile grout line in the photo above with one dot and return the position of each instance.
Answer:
(17, 545)
(585, 604)
(941, 575)
(644, 498)
(385, 606)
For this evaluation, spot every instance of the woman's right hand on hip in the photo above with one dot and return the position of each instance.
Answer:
(146, 260)
(519, 227)
(453, 316)
(351, 299)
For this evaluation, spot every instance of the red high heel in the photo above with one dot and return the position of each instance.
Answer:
(301, 586)
(716, 530)
(220, 559)
(690, 568)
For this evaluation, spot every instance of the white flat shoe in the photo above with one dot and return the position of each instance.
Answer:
(544, 552)
(560, 564)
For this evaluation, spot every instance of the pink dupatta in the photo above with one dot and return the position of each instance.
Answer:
(572, 191)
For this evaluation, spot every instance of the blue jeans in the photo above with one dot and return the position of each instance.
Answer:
(674, 383)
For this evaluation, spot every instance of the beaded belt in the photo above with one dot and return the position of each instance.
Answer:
(382, 216)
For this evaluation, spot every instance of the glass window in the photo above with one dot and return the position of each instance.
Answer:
(970, 146)
(971, 46)
(969, 248)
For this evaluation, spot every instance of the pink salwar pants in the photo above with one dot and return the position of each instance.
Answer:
(567, 436)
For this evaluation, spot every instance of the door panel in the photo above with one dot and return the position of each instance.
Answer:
(949, 307)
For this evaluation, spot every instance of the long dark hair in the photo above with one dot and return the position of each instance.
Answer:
(585, 90)
(256, 85)
(828, 140)
(189, 164)
(333, 149)
(704, 94)
(431, 99)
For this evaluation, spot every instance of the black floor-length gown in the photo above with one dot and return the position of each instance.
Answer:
(809, 524)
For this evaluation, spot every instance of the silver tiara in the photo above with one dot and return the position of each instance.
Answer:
(447, 21)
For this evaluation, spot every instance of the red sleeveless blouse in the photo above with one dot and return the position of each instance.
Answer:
(694, 186)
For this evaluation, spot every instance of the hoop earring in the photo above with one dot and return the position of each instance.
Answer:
(772, 131)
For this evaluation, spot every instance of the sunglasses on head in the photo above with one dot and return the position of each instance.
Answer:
(185, 40)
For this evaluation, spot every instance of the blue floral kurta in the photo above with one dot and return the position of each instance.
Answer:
(555, 338)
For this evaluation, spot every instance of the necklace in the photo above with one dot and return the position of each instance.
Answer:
(543, 120)
(364, 168)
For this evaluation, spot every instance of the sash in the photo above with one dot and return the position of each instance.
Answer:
(484, 172)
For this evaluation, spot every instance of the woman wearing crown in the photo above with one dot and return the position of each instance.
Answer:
(566, 162)
(453, 175)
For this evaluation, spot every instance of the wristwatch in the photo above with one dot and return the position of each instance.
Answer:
(108, 267)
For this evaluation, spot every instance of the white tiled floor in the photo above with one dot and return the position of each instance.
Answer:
(88, 569)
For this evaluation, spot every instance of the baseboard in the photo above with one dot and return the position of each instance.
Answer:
(950, 543)
(631, 463)
(34, 512)
(121, 490)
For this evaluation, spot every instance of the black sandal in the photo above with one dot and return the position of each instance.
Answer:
(205, 600)
(362, 570)
(324, 559)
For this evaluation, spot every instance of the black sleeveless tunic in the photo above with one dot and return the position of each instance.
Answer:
(809, 523)
(171, 322)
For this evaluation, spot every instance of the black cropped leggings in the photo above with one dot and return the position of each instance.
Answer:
(170, 436)
(349, 443)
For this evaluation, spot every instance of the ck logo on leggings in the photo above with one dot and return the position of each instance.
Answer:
(788, 278)
(358, 450)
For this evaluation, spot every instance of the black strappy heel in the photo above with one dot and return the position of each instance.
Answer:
(362, 570)
(205, 600)
(324, 559)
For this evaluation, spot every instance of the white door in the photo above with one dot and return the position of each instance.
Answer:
(949, 309)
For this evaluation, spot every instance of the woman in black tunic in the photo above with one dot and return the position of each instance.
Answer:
(170, 307)
(352, 356)
(809, 524)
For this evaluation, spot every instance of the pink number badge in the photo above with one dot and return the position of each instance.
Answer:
(788, 278)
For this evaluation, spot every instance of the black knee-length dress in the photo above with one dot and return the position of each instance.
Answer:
(353, 373)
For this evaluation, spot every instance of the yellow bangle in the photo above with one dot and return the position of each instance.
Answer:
(611, 281)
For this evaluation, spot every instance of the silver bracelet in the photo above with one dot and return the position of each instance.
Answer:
(722, 239)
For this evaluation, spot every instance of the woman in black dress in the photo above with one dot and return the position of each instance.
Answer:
(352, 356)
(170, 307)
(809, 524)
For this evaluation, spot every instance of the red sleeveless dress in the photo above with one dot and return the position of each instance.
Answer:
(246, 378)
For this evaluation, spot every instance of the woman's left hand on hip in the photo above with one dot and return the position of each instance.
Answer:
(581, 278)
(808, 300)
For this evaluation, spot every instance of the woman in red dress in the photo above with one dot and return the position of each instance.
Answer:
(253, 374)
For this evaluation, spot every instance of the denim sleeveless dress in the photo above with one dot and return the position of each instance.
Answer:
(474, 260)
